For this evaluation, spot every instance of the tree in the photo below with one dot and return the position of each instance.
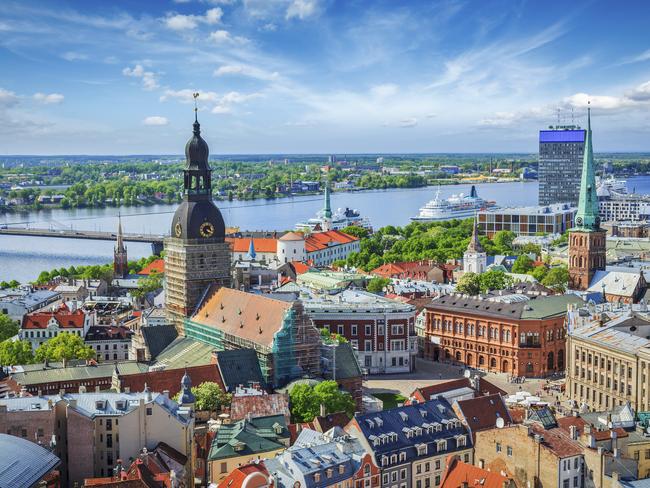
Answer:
(209, 397)
(306, 400)
(523, 264)
(8, 327)
(469, 283)
(377, 284)
(539, 272)
(503, 241)
(356, 231)
(64, 347)
(15, 352)
(329, 337)
(494, 280)
(557, 278)
(149, 284)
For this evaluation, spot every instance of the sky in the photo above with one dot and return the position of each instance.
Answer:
(320, 76)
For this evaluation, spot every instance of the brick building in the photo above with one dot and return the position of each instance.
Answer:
(382, 331)
(509, 333)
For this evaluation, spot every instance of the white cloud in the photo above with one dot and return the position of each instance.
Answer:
(385, 90)
(149, 80)
(155, 120)
(243, 70)
(213, 16)
(48, 98)
(74, 56)
(301, 9)
(180, 22)
(221, 109)
(408, 123)
(111, 60)
(187, 95)
(223, 36)
(7, 98)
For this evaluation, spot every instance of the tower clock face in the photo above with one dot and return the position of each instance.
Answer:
(178, 229)
(579, 221)
(206, 229)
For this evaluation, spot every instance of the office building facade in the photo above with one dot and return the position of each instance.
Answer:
(561, 151)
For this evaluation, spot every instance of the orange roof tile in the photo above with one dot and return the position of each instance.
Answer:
(299, 267)
(255, 475)
(262, 244)
(458, 472)
(253, 317)
(292, 236)
(322, 240)
(65, 318)
(157, 266)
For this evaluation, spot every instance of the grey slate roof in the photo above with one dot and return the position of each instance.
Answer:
(158, 338)
(23, 463)
(239, 367)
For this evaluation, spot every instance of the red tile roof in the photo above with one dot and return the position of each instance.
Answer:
(262, 244)
(579, 423)
(457, 473)
(481, 413)
(322, 240)
(157, 266)
(299, 267)
(557, 440)
(255, 476)
(260, 406)
(170, 379)
(64, 317)
(323, 423)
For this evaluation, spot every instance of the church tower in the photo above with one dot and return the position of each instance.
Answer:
(196, 254)
(120, 258)
(586, 239)
(327, 209)
(475, 258)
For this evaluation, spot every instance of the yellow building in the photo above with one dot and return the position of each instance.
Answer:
(245, 441)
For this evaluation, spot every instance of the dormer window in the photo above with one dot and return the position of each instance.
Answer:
(422, 449)
(441, 445)
(402, 456)
(330, 472)
(393, 458)
(317, 477)
(384, 460)
(341, 469)
(461, 441)
(277, 428)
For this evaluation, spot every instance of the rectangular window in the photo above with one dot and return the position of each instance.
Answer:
(109, 440)
(354, 330)
(224, 467)
(509, 450)
(368, 330)
(498, 447)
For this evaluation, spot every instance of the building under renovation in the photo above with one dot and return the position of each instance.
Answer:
(285, 339)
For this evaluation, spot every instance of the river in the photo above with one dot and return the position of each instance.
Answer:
(22, 258)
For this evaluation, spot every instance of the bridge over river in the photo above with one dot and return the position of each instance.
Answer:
(155, 240)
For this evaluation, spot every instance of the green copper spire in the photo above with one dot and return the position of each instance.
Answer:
(587, 216)
(327, 210)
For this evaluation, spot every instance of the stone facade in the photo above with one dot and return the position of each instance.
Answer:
(191, 266)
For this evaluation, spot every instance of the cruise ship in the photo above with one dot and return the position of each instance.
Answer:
(339, 219)
(612, 184)
(455, 207)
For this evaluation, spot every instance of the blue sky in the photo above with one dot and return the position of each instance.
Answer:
(319, 76)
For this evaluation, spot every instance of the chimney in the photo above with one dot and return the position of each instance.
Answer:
(481, 463)
(40, 393)
(127, 389)
(588, 429)
(573, 432)
(97, 390)
(615, 478)
(464, 484)
(591, 440)
(165, 393)
(82, 389)
(323, 410)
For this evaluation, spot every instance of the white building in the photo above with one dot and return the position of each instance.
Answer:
(39, 327)
(475, 258)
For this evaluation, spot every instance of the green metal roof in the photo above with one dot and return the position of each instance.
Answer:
(184, 352)
(35, 376)
(249, 437)
(587, 218)
(239, 367)
(546, 307)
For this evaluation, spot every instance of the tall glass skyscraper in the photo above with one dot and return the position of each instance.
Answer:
(561, 150)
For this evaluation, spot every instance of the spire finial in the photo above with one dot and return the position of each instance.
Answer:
(195, 95)
(588, 114)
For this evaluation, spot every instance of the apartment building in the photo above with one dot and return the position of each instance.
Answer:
(381, 330)
(608, 363)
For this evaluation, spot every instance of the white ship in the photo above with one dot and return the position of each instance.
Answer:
(455, 207)
(612, 184)
(339, 219)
